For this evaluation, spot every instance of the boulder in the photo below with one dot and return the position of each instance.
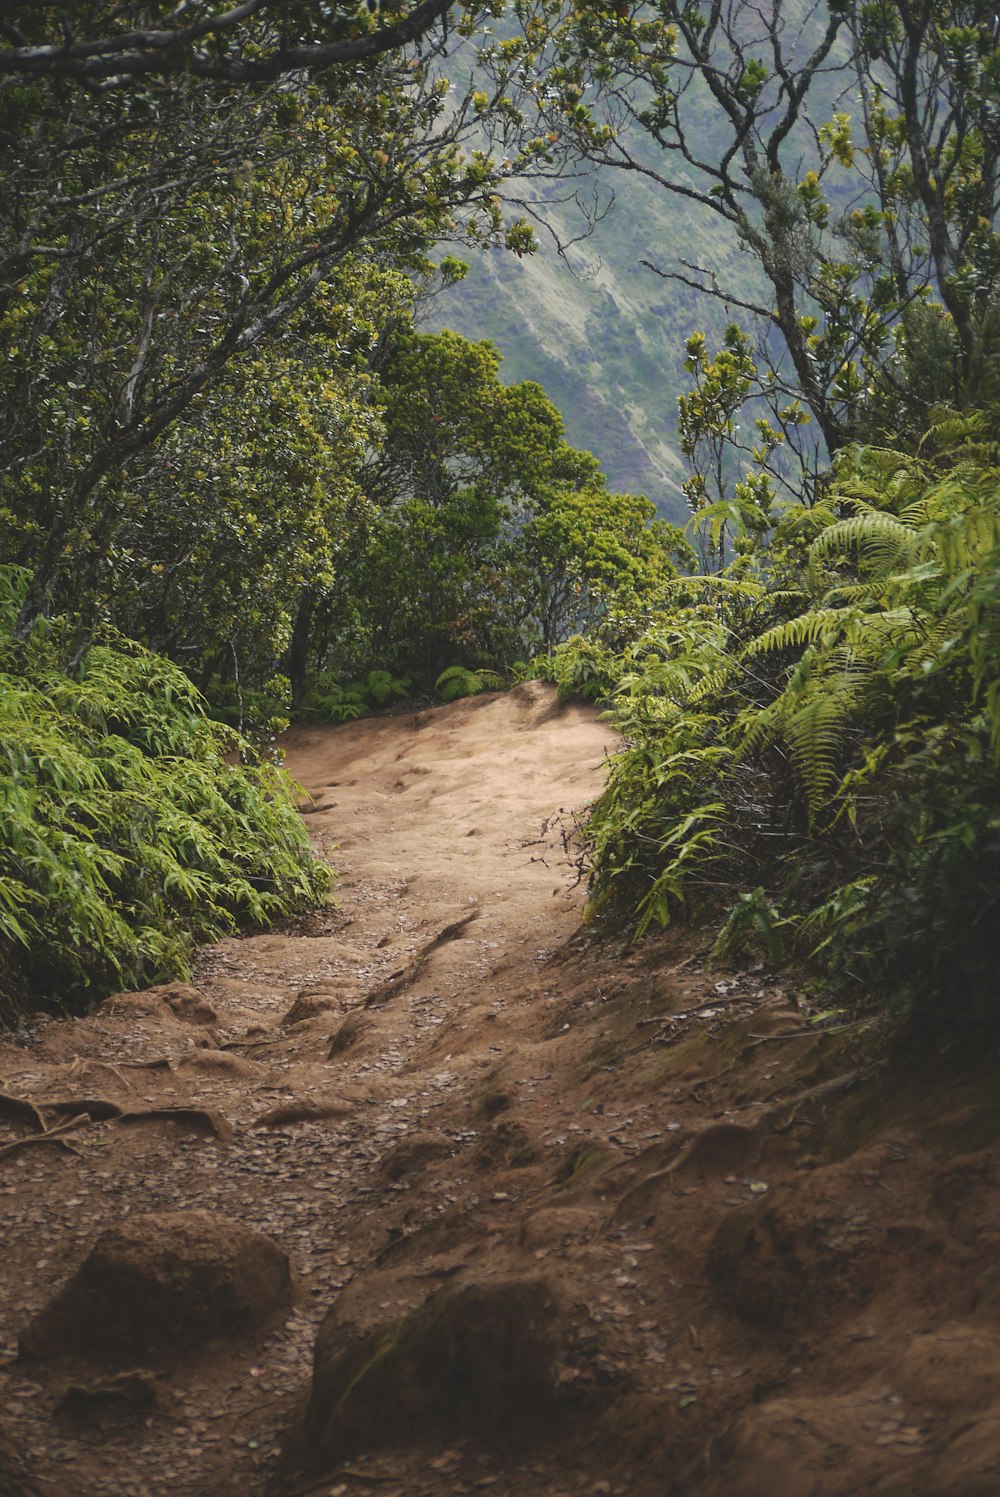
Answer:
(480, 1361)
(162, 1283)
(414, 1152)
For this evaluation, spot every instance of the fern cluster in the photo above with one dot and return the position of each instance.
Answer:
(812, 741)
(458, 681)
(332, 701)
(129, 830)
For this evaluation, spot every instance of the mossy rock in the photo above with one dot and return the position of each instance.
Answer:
(479, 1362)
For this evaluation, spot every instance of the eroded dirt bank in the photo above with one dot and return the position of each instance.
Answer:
(558, 1218)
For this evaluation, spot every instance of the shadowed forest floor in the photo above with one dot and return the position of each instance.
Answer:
(562, 1218)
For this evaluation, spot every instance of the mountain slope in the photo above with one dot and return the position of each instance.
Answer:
(603, 334)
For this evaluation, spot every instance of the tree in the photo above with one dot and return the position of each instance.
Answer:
(110, 45)
(453, 481)
(252, 505)
(487, 537)
(592, 558)
(154, 238)
(850, 148)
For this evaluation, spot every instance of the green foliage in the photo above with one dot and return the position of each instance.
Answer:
(483, 535)
(333, 702)
(197, 281)
(580, 667)
(457, 681)
(129, 831)
(815, 748)
(753, 924)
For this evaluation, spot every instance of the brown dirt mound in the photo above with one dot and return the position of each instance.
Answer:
(944, 1397)
(161, 1283)
(480, 1361)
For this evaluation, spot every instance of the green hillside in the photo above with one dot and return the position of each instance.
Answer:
(603, 334)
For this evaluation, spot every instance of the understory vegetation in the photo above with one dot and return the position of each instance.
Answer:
(129, 830)
(812, 739)
(238, 483)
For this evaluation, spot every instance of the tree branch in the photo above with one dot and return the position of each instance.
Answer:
(113, 61)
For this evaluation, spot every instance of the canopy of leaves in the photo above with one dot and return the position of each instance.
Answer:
(109, 45)
(486, 538)
(175, 253)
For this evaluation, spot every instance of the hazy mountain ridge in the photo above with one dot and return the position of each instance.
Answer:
(601, 332)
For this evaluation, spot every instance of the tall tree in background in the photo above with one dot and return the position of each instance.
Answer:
(850, 148)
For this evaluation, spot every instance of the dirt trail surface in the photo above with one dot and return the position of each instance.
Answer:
(432, 1194)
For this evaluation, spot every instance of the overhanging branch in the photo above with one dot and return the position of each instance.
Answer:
(116, 59)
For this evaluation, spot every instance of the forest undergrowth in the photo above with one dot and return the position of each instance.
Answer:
(239, 485)
(132, 826)
(811, 738)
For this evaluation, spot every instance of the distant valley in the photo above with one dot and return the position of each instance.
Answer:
(603, 334)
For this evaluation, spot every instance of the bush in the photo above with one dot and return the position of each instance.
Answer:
(812, 742)
(129, 830)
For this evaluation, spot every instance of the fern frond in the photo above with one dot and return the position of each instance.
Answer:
(814, 733)
(818, 625)
(880, 537)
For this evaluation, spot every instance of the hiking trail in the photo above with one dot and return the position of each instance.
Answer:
(433, 1193)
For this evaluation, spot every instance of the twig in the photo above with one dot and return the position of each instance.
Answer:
(786, 1034)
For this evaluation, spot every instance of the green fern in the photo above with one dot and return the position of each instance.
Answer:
(129, 831)
(828, 744)
(457, 681)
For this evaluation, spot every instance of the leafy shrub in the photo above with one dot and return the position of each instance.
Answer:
(335, 702)
(129, 831)
(812, 742)
(258, 713)
(457, 682)
(580, 667)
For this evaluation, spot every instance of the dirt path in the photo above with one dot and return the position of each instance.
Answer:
(589, 1221)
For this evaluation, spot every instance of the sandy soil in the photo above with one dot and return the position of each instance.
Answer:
(613, 1221)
